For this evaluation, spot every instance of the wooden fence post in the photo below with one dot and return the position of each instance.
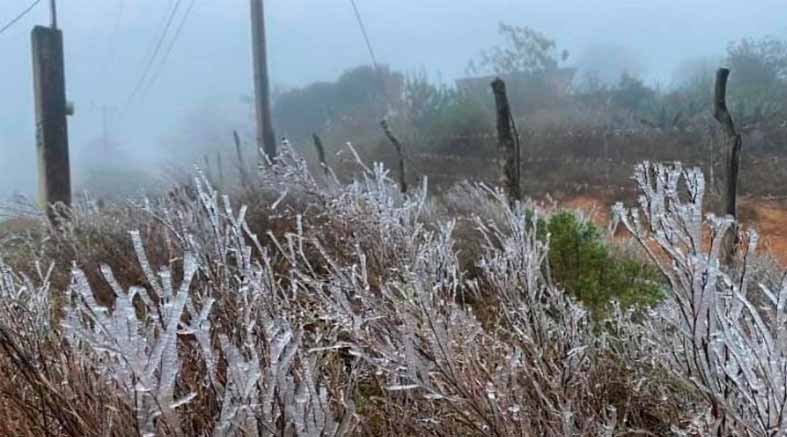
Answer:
(507, 149)
(722, 115)
(400, 152)
(244, 176)
(320, 153)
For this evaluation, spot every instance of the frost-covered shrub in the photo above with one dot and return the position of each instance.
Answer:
(531, 372)
(323, 309)
(718, 331)
(228, 342)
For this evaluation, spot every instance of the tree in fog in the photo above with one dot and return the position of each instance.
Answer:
(632, 94)
(758, 83)
(607, 62)
(524, 50)
(361, 93)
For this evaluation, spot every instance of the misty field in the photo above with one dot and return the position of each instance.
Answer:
(543, 246)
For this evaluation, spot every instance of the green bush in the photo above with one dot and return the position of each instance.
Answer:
(584, 265)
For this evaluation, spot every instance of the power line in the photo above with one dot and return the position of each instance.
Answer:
(172, 43)
(365, 34)
(162, 23)
(108, 68)
(111, 53)
(152, 58)
(20, 16)
(155, 53)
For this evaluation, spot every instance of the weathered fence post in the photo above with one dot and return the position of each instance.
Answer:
(722, 115)
(244, 176)
(712, 160)
(51, 108)
(508, 158)
(605, 135)
(399, 151)
(320, 152)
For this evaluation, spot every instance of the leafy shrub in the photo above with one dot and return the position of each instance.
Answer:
(581, 262)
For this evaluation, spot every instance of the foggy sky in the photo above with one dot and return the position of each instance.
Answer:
(209, 70)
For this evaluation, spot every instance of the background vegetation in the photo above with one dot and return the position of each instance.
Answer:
(590, 132)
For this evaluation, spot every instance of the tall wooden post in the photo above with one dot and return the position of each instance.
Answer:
(506, 143)
(54, 173)
(266, 140)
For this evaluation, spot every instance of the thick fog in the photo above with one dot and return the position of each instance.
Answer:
(207, 77)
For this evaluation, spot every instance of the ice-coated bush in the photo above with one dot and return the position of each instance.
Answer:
(719, 330)
(322, 309)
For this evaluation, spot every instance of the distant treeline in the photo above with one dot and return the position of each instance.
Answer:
(562, 113)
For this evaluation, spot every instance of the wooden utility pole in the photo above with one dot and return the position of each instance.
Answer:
(508, 153)
(51, 109)
(266, 139)
(53, 12)
(735, 141)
